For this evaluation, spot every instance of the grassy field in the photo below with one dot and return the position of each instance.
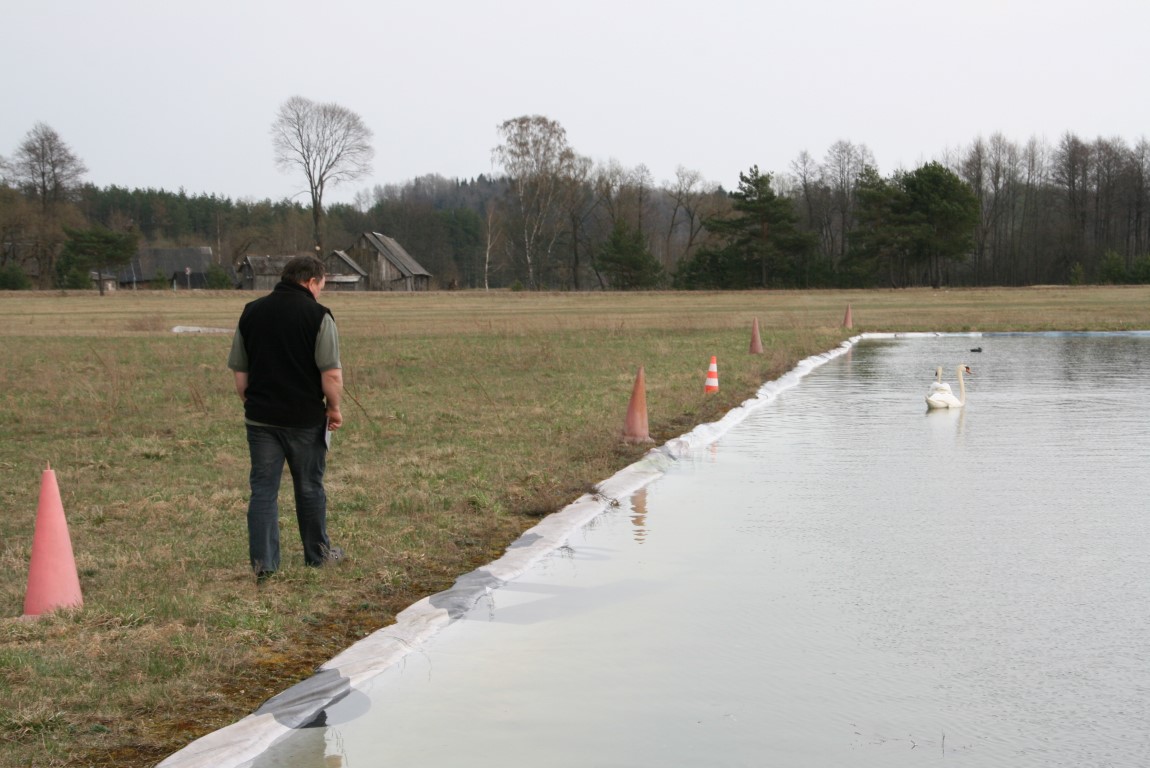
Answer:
(468, 416)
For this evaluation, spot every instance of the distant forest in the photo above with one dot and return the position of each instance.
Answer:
(993, 213)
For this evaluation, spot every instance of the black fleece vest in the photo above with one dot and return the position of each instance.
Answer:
(284, 384)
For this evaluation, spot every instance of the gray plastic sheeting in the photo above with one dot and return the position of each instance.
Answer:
(239, 744)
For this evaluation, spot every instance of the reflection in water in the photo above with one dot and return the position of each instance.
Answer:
(333, 749)
(639, 514)
(847, 582)
(311, 747)
(945, 421)
(320, 744)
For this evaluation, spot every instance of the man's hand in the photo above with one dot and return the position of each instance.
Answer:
(241, 384)
(332, 381)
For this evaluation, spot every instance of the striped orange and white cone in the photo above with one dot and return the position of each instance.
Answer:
(848, 322)
(712, 384)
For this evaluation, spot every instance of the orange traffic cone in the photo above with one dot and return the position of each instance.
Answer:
(712, 384)
(635, 428)
(52, 578)
(847, 318)
(756, 341)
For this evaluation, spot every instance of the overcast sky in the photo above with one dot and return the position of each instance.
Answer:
(168, 95)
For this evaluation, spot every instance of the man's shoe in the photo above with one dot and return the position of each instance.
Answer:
(331, 555)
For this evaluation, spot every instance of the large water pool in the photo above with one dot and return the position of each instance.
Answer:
(841, 579)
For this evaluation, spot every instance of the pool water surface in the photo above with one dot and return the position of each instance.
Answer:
(842, 578)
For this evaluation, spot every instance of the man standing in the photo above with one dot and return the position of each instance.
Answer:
(285, 356)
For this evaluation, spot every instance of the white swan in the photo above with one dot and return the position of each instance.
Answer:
(938, 399)
(938, 385)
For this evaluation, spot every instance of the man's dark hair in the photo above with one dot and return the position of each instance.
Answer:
(300, 269)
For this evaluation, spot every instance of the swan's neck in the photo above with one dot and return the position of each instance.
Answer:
(961, 386)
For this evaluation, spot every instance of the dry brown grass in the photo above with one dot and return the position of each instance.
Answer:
(469, 416)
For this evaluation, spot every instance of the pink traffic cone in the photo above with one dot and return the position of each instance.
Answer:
(53, 581)
(635, 429)
(756, 340)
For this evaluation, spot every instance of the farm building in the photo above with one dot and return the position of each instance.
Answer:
(261, 273)
(343, 274)
(180, 268)
(387, 265)
(105, 282)
(375, 263)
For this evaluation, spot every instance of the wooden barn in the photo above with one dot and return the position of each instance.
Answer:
(261, 273)
(179, 268)
(387, 265)
(343, 274)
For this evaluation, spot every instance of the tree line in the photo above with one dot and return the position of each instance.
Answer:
(992, 213)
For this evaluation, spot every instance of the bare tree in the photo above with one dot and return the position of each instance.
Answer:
(972, 168)
(1040, 240)
(16, 217)
(540, 164)
(581, 206)
(46, 169)
(1005, 187)
(641, 182)
(844, 162)
(624, 193)
(1110, 162)
(1071, 172)
(494, 240)
(610, 181)
(329, 143)
(815, 197)
(1140, 197)
(691, 200)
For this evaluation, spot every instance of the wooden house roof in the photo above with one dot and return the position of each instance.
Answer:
(394, 252)
(267, 266)
(148, 263)
(340, 263)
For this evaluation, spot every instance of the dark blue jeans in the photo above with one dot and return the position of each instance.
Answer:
(304, 450)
